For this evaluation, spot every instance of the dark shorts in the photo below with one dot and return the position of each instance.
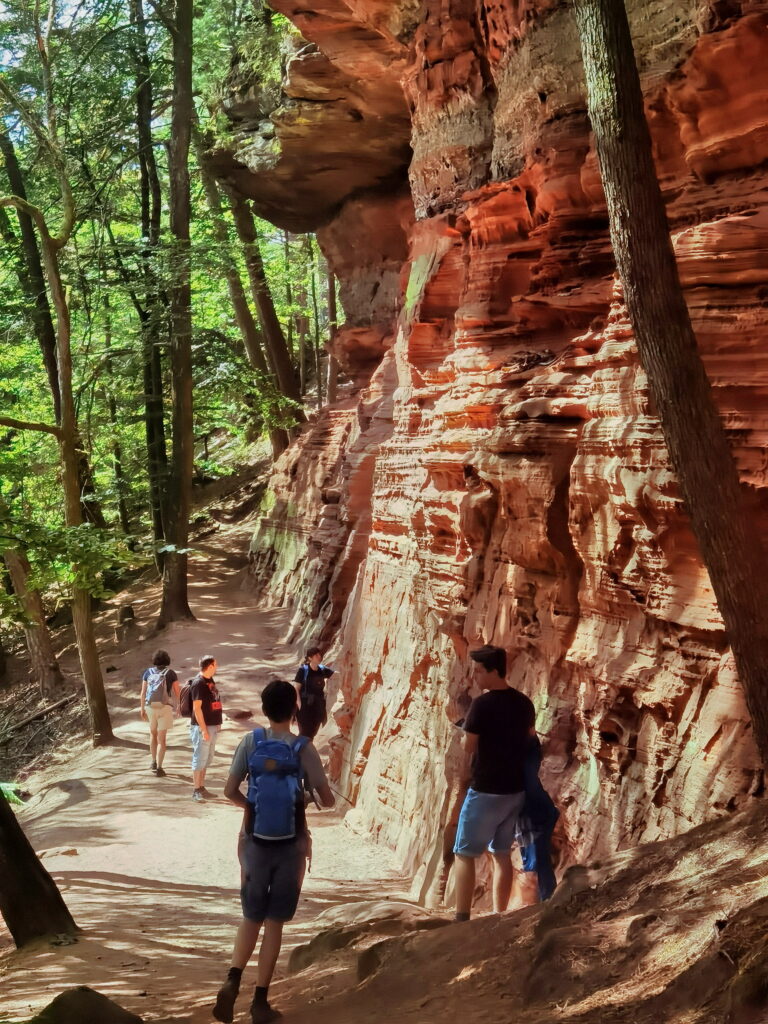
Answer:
(311, 718)
(271, 877)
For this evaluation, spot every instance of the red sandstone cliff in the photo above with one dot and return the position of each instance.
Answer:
(495, 472)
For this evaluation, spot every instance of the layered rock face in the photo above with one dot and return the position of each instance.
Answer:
(495, 472)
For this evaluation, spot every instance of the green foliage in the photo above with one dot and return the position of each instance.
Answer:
(84, 98)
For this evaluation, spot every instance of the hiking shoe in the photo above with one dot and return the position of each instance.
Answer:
(160, 773)
(198, 795)
(224, 1010)
(262, 1012)
(206, 793)
(153, 766)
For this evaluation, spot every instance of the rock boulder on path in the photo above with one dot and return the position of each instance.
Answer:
(82, 1005)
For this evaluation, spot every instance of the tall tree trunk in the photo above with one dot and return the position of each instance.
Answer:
(175, 604)
(121, 484)
(30, 903)
(101, 727)
(32, 282)
(302, 331)
(316, 317)
(152, 311)
(272, 332)
(730, 544)
(333, 364)
(244, 318)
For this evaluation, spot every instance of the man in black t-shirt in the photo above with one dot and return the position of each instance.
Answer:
(497, 731)
(205, 724)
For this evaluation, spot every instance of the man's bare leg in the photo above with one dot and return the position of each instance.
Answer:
(503, 876)
(465, 886)
(162, 742)
(269, 952)
(153, 744)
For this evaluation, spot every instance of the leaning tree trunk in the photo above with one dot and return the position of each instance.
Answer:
(43, 664)
(30, 903)
(730, 544)
(244, 318)
(175, 604)
(272, 332)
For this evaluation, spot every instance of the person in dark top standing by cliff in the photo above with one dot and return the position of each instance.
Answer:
(205, 724)
(310, 687)
(497, 732)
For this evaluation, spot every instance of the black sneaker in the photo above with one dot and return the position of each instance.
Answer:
(153, 766)
(262, 1012)
(206, 793)
(224, 1010)
(160, 773)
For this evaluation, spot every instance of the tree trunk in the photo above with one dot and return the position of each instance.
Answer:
(175, 604)
(316, 315)
(43, 665)
(730, 544)
(249, 331)
(30, 903)
(101, 727)
(271, 330)
(333, 364)
(121, 484)
(152, 313)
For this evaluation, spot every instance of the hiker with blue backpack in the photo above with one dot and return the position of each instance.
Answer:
(310, 687)
(158, 705)
(274, 842)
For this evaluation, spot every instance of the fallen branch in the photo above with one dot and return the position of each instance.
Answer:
(41, 713)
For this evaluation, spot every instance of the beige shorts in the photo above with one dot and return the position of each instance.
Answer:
(160, 716)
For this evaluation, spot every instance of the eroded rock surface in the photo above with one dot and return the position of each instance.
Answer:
(497, 473)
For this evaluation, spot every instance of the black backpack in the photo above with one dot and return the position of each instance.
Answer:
(185, 699)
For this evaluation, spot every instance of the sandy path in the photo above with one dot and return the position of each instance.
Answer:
(151, 876)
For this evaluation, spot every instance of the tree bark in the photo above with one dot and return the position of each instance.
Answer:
(730, 544)
(121, 484)
(30, 902)
(101, 726)
(43, 664)
(333, 364)
(175, 604)
(151, 313)
(272, 332)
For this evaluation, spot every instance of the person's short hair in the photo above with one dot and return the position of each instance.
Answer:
(311, 651)
(278, 700)
(160, 659)
(493, 659)
(206, 661)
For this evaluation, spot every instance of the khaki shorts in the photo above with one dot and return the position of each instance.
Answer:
(160, 716)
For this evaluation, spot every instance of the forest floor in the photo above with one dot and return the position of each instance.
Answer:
(669, 933)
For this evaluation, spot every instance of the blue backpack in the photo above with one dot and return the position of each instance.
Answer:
(275, 785)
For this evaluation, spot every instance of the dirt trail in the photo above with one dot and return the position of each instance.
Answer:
(150, 875)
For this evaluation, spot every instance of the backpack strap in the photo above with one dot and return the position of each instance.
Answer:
(304, 680)
(259, 734)
(297, 746)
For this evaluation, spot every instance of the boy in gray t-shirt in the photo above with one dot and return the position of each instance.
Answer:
(272, 869)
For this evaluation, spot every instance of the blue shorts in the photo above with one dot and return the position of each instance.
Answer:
(488, 821)
(202, 752)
